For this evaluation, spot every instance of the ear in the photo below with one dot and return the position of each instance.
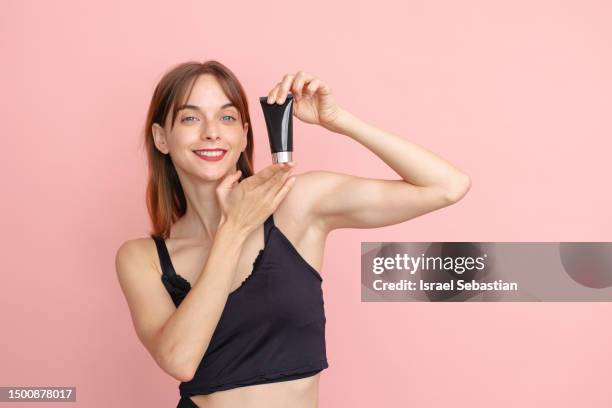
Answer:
(245, 140)
(159, 138)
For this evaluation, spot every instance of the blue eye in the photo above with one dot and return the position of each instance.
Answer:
(193, 117)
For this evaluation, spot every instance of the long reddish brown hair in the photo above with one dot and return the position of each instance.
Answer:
(165, 198)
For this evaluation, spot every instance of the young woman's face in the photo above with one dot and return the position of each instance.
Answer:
(206, 121)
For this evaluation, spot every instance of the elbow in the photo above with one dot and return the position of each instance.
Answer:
(185, 375)
(459, 190)
(181, 372)
(178, 370)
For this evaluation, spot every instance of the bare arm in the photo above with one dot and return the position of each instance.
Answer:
(186, 335)
(341, 200)
(178, 338)
(338, 200)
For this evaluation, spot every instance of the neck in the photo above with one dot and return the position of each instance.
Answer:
(201, 219)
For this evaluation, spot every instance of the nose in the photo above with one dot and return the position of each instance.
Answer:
(208, 136)
(210, 132)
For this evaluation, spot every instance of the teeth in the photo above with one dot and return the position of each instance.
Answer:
(210, 154)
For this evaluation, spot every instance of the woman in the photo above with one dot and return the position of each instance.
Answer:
(226, 294)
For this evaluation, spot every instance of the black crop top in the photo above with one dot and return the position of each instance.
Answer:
(272, 327)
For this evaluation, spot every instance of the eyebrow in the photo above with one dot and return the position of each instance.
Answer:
(194, 107)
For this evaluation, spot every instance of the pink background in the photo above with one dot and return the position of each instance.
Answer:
(516, 94)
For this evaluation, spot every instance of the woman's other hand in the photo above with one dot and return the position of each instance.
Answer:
(247, 204)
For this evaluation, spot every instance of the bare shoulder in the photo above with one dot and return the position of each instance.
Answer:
(296, 210)
(149, 303)
(312, 179)
(135, 264)
(298, 201)
(317, 175)
(315, 183)
(135, 251)
(305, 193)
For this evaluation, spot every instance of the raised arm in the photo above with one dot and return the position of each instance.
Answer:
(428, 182)
(338, 200)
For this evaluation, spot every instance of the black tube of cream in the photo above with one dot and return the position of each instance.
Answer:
(279, 121)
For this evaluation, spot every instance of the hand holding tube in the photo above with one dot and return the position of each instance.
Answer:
(313, 100)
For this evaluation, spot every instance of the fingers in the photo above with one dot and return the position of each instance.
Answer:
(303, 79)
(272, 94)
(312, 87)
(276, 178)
(229, 180)
(295, 84)
(285, 85)
(298, 83)
(278, 183)
(279, 92)
(280, 189)
(261, 176)
(282, 192)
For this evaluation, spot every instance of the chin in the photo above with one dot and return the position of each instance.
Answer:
(216, 173)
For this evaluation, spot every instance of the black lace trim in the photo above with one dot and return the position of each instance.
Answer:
(179, 282)
(179, 286)
(257, 260)
(253, 271)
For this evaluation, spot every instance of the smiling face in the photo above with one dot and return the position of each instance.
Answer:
(207, 121)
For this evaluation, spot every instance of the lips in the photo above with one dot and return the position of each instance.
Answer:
(210, 158)
(210, 150)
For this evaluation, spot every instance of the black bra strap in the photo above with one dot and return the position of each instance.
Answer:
(164, 256)
(268, 227)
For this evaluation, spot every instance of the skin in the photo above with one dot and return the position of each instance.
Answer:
(317, 203)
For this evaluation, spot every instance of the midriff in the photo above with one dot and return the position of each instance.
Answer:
(300, 393)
